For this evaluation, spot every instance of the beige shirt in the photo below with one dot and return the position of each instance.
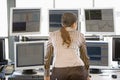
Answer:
(64, 56)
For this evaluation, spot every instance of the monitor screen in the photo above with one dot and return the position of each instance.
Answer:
(25, 21)
(99, 21)
(2, 49)
(98, 51)
(116, 49)
(29, 55)
(55, 18)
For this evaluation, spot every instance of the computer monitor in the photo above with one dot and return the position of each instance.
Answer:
(98, 51)
(29, 56)
(99, 21)
(116, 49)
(55, 17)
(3, 60)
(25, 21)
(2, 49)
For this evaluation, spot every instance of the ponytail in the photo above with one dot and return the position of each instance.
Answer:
(65, 36)
(68, 19)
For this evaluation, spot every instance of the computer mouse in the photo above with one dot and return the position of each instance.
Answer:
(114, 76)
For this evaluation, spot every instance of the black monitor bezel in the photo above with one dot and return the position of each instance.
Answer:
(114, 57)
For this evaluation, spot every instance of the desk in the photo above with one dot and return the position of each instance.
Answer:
(17, 75)
(106, 75)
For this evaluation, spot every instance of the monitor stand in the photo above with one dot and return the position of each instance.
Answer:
(28, 75)
(29, 71)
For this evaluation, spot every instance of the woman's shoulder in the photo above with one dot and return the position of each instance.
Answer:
(79, 33)
(54, 33)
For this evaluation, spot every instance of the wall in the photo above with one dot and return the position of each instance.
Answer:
(3, 19)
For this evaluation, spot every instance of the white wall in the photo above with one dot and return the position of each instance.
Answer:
(73, 4)
(3, 19)
(4, 24)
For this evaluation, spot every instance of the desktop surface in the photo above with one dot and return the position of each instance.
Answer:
(106, 74)
(17, 75)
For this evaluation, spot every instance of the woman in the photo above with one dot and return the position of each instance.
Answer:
(70, 56)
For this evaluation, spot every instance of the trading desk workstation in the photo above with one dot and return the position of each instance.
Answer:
(29, 51)
(25, 69)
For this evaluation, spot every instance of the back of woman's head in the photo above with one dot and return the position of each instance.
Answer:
(68, 19)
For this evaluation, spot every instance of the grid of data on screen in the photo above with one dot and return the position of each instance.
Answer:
(98, 53)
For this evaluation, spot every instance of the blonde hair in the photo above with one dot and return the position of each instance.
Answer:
(68, 19)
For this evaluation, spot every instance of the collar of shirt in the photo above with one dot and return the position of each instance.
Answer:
(69, 29)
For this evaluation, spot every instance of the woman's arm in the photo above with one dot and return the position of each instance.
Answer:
(48, 57)
(47, 60)
(83, 53)
(84, 56)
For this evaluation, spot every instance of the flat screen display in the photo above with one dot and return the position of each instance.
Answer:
(55, 18)
(99, 21)
(116, 49)
(2, 49)
(29, 55)
(25, 21)
(98, 52)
